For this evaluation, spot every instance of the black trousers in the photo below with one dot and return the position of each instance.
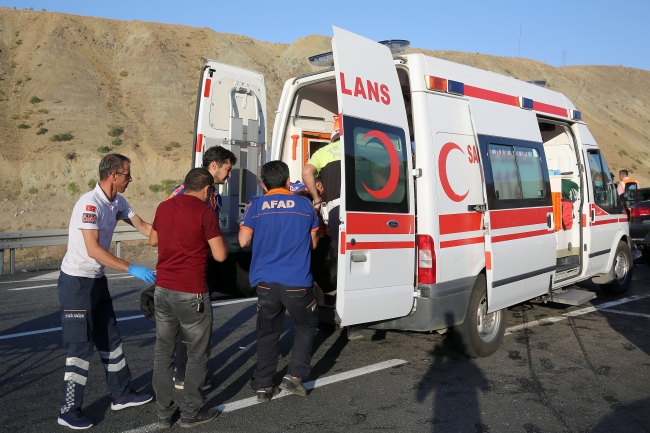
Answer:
(273, 300)
(88, 320)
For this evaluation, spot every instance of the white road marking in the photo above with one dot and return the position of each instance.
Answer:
(323, 381)
(120, 319)
(54, 285)
(572, 314)
(629, 313)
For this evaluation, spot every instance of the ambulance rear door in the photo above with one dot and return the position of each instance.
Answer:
(376, 260)
(231, 112)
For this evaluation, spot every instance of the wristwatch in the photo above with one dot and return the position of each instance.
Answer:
(314, 203)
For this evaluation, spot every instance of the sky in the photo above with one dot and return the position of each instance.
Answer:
(568, 32)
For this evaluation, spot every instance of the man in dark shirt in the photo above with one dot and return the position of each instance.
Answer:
(283, 229)
(184, 228)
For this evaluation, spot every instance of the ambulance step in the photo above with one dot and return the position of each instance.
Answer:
(573, 297)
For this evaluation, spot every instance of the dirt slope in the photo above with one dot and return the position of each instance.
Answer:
(92, 74)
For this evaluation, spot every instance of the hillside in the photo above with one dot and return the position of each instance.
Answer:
(93, 74)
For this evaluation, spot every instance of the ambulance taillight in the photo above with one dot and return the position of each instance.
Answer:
(426, 260)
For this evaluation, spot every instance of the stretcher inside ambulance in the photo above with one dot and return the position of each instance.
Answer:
(464, 192)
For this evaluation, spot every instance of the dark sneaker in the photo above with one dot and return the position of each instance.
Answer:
(354, 333)
(264, 395)
(168, 422)
(201, 418)
(207, 384)
(75, 419)
(292, 385)
(130, 400)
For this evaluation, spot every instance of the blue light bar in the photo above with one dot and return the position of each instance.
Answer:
(325, 59)
(576, 115)
(396, 46)
(525, 103)
(455, 87)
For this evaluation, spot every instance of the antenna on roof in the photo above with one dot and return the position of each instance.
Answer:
(519, 52)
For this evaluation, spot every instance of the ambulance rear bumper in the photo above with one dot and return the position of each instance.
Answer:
(439, 306)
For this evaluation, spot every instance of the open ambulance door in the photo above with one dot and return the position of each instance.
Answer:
(376, 260)
(231, 112)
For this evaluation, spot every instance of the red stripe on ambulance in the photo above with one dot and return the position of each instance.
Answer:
(502, 219)
(379, 245)
(460, 222)
(522, 235)
(367, 223)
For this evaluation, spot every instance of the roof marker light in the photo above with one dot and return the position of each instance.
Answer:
(456, 87)
(436, 83)
(324, 59)
(396, 46)
(576, 115)
(525, 103)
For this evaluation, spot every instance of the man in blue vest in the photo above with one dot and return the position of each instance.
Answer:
(283, 230)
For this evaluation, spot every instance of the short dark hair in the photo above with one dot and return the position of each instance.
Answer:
(112, 163)
(624, 172)
(197, 179)
(219, 155)
(275, 174)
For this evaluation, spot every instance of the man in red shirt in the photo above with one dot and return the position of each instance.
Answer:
(184, 228)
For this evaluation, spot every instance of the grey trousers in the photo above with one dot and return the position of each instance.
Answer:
(176, 311)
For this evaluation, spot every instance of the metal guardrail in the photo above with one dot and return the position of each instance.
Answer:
(47, 238)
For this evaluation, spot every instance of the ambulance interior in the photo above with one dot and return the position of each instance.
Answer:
(566, 190)
(312, 119)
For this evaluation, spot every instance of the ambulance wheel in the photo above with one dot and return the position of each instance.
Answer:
(231, 276)
(622, 269)
(480, 334)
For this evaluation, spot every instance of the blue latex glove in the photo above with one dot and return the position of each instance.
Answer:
(143, 273)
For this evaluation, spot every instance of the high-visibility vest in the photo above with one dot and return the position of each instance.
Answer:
(624, 182)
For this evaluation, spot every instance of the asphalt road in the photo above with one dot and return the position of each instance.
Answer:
(560, 369)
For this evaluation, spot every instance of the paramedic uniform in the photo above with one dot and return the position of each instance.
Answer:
(280, 270)
(87, 313)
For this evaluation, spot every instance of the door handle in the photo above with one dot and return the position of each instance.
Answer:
(549, 221)
(593, 215)
(359, 258)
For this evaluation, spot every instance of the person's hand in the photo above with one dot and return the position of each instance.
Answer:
(143, 273)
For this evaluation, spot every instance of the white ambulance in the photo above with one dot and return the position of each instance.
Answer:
(464, 192)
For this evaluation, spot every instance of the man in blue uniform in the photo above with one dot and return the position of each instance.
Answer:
(87, 314)
(283, 229)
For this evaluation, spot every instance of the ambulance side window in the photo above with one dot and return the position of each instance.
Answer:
(516, 173)
(604, 190)
(375, 167)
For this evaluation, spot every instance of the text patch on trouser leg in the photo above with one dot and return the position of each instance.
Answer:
(75, 326)
(302, 306)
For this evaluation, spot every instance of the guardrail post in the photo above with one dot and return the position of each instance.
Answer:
(118, 248)
(12, 261)
(2, 261)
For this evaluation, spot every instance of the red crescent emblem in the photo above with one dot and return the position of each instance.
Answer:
(442, 169)
(393, 178)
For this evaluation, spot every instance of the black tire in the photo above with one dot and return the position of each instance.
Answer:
(474, 343)
(622, 269)
(231, 276)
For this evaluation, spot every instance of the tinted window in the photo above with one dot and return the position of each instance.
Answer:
(375, 167)
(504, 171)
(516, 175)
(530, 172)
(602, 186)
(517, 172)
